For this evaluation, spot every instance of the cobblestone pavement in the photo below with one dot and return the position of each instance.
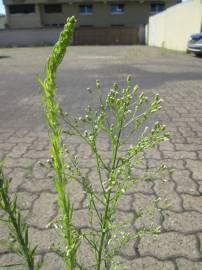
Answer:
(178, 79)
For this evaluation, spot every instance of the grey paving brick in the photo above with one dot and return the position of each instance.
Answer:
(185, 222)
(177, 245)
(184, 264)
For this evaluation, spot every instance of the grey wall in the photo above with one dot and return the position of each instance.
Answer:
(31, 37)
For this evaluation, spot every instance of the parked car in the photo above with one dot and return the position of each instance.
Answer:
(195, 44)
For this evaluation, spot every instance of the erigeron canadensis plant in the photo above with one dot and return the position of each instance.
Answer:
(118, 116)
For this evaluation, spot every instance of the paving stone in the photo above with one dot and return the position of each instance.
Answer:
(177, 245)
(37, 154)
(148, 263)
(184, 264)
(40, 145)
(25, 139)
(143, 201)
(44, 210)
(80, 219)
(185, 222)
(179, 155)
(18, 150)
(166, 191)
(176, 164)
(184, 182)
(188, 147)
(192, 202)
(181, 113)
(186, 131)
(21, 132)
(76, 193)
(199, 153)
(176, 138)
(103, 143)
(107, 155)
(200, 186)
(151, 215)
(87, 163)
(166, 146)
(199, 235)
(5, 147)
(94, 180)
(84, 150)
(53, 262)
(9, 258)
(38, 185)
(18, 177)
(128, 251)
(25, 200)
(4, 236)
(5, 136)
(153, 153)
(143, 186)
(39, 172)
(125, 203)
(195, 140)
(86, 256)
(195, 167)
(19, 162)
(43, 239)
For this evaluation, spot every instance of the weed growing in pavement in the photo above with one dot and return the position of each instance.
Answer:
(118, 117)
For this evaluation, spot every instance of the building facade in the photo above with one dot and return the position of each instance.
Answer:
(50, 13)
(97, 15)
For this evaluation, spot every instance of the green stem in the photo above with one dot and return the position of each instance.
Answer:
(104, 232)
(25, 249)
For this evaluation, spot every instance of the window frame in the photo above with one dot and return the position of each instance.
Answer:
(20, 12)
(86, 12)
(121, 12)
(156, 11)
(45, 6)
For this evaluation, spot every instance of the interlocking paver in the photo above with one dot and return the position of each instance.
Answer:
(177, 78)
(186, 222)
(195, 167)
(41, 216)
(188, 265)
(184, 182)
(170, 245)
(166, 191)
(149, 263)
(192, 202)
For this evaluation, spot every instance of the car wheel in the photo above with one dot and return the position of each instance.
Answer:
(198, 55)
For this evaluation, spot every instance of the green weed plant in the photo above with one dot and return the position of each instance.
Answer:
(118, 117)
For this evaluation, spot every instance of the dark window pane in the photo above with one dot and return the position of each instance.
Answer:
(157, 7)
(117, 8)
(53, 8)
(86, 9)
(22, 9)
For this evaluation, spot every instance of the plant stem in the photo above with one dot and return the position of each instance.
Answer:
(108, 201)
(20, 240)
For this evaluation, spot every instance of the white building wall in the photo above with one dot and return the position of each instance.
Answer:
(172, 28)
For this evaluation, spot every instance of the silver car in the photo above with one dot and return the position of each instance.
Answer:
(195, 44)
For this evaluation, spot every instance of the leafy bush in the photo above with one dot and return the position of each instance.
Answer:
(118, 117)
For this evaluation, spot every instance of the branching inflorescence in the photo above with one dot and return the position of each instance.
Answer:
(118, 117)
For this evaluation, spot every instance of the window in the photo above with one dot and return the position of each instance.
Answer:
(86, 9)
(22, 9)
(53, 8)
(117, 9)
(157, 7)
